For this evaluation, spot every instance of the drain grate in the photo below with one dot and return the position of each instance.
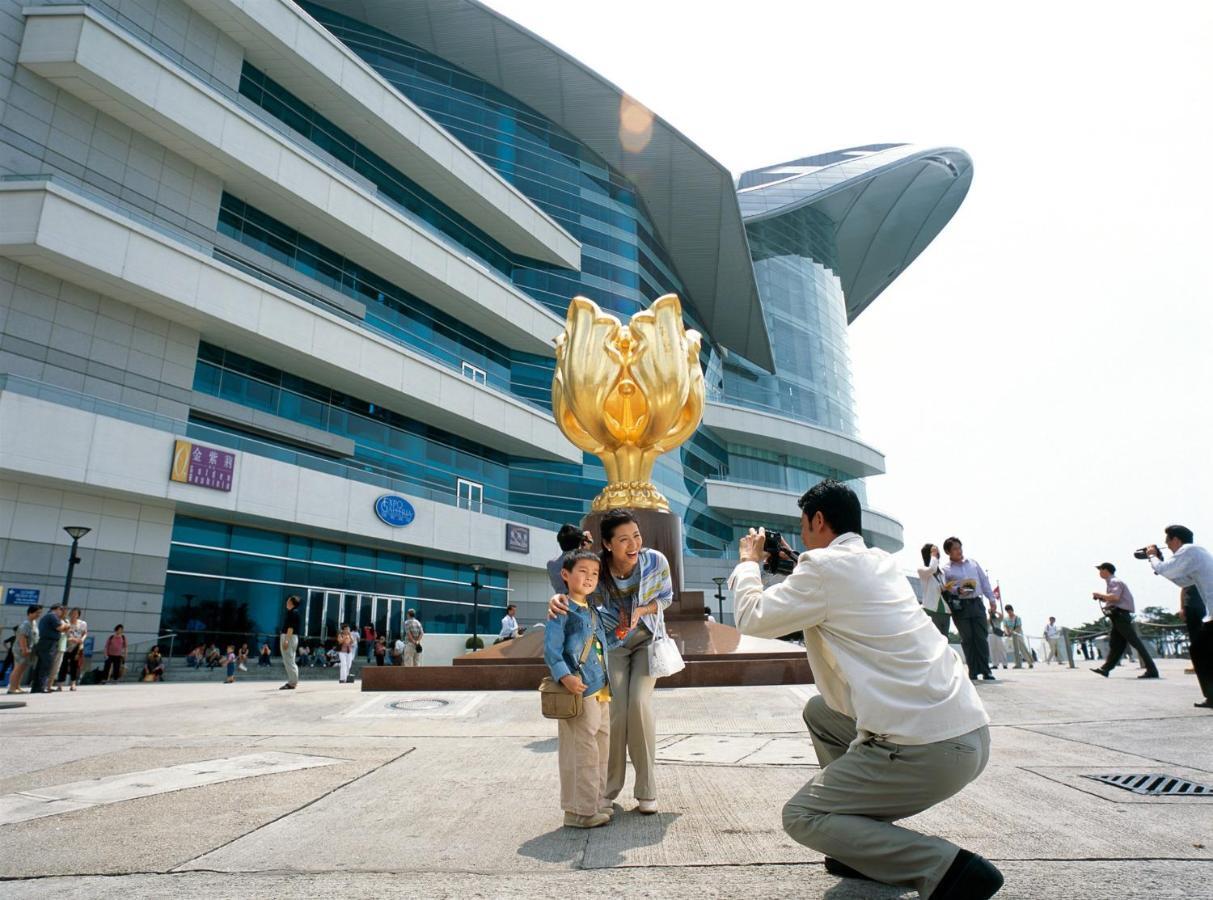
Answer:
(1155, 785)
(418, 705)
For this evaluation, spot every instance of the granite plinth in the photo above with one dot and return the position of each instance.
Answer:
(716, 656)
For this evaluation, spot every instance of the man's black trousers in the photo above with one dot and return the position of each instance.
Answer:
(974, 640)
(1123, 633)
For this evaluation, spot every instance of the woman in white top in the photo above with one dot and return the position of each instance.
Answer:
(346, 645)
(931, 580)
(76, 633)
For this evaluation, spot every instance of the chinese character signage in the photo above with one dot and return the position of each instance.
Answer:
(517, 538)
(206, 467)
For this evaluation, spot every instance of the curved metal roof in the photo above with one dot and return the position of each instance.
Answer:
(887, 202)
(689, 196)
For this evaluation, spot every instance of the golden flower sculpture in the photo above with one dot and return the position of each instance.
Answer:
(628, 393)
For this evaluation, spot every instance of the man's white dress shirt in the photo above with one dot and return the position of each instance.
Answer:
(875, 656)
(1190, 565)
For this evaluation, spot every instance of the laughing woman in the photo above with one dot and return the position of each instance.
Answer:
(634, 589)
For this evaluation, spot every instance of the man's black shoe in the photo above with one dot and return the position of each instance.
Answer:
(1204, 704)
(1149, 675)
(989, 676)
(970, 877)
(1099, 671)
(287, 687)
(842, 870)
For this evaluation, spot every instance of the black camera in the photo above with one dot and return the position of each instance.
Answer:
(1143, 553)
(780, 560)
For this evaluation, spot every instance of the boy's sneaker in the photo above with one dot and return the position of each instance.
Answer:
(572, 820)
(609, 811)
(646, 807)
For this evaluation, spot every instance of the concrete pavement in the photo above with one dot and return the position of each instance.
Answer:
(439, 795)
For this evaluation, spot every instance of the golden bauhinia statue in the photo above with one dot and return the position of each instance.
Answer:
(628, 393)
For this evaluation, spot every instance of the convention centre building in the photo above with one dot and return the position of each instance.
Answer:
(279, 285)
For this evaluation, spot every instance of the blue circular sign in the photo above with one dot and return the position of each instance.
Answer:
(394, 510)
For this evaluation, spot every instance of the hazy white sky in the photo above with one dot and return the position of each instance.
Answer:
(1041, 377)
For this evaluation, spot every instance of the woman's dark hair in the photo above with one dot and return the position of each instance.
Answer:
(1180, 533)
(611, 522)
(569, 537)
(607, 526)
(575, 556)
(837, 504)
(926, 554)
(36, 608)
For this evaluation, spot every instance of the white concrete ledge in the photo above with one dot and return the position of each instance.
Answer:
(80, 51)
(756, 505)
(782, 434)
(292, 48)
(58, 230)
(46, 442)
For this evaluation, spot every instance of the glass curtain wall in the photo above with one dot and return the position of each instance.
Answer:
(235, 579)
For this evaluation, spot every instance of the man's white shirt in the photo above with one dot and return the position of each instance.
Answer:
(508, 626)
(1190, 565)
(875, 655)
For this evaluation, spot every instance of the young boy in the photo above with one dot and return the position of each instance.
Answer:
(584, 740)
(231, 664)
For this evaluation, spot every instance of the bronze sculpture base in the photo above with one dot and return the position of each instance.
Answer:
(716, 656)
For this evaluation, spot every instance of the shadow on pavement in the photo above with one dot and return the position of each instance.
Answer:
(549, 745)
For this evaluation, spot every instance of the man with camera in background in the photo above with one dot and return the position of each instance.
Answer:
(964, 584)
(896, 726)
(1190, 566)
(1118, 607)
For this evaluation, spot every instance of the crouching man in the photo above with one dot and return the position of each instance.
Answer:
(897, 726)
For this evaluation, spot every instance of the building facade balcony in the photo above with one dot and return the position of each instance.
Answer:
(85, 53)
(61, 230)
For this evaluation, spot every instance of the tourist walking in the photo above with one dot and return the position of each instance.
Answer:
(346, 645)
(573, 648)
(1013, 623)
(288, 643)
(413, 633)
(25, 655)
(115, 656)
(1052, 638)
(77, 632)
(896, 726)
(1118, 606)
(634, 589)
(964, 585)
(998, 647)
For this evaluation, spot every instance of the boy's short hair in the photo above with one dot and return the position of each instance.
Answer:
(573, 557)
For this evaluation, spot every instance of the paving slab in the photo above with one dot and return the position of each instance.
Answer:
(459, 799)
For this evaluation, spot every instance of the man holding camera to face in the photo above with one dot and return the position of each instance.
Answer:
(1190, 566)
(896, 726)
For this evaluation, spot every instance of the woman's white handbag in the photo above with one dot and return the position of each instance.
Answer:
(664, 658)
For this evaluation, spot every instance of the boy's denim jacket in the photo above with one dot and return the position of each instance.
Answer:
(563, 640)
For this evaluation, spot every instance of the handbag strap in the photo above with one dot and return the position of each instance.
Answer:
(585, 651)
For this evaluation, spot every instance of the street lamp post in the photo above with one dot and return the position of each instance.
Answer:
(720, 580)
(475, 603)
(75, 532)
